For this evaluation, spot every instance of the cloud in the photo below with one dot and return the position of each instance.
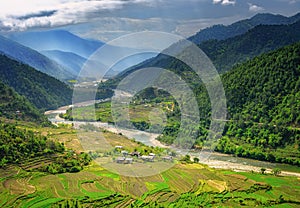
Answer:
(255, 8)
(224, 2)
(36, 13)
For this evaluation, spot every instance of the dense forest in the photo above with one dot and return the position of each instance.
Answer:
(43, 91)
(262, 38)
(17, 107)
(263, 104)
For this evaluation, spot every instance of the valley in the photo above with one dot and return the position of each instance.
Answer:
(228, 136)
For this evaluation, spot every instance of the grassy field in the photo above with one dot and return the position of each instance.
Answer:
(183, 185)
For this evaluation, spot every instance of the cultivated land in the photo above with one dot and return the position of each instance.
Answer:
(184, 185)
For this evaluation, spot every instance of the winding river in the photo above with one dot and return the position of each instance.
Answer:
(215, 160)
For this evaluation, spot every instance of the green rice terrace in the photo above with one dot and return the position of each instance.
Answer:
(186, 184)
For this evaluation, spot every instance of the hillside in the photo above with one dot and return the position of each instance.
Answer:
(263, 38)
(263, 105)
(222, 32)
(34, 59)
(70, 61)
(43, 91)
(263, 108)
(14, 106)
(225, 53)
(57, 40)
(186, 184)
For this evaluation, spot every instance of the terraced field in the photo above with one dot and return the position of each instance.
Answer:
(184, 185)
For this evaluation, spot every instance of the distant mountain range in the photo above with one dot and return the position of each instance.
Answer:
(69, 60)
(222, 32)
(59, 40)
(71, 51)
(226, 53)
(34, 59)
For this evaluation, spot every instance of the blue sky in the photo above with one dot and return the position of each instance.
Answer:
(109, 19)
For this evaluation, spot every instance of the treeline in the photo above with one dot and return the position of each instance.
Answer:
(262, 142)
(40, 89)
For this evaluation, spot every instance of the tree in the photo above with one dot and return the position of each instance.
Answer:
(276, 171)
(196, 160)
(263, 170)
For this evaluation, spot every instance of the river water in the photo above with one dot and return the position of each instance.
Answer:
(212, 159)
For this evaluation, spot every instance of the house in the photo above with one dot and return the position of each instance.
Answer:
(120, 160)
(167, 158)
(124, 160)
(128, 160)
(118, 147)
(147, 158)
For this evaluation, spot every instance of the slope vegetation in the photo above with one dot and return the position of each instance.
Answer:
(14, 106)
(43, 91)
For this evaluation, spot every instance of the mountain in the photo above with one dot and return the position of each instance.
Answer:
(44, 91)
(34, 59)
(59, 40)
(72, 51)
(222, 32)
(15, 106)
(70, 61)
(263, 38)
(263, 104)
(224, 53)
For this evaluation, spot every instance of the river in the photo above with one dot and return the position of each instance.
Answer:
(214, 159)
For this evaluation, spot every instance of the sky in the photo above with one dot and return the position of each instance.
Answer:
(108, 19)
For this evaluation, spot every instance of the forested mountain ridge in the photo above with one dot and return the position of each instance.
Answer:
(34, 59)
(222, 32)
(16, 107)
(266, 89)
(263, 38)
(263, 98)
(43, 91)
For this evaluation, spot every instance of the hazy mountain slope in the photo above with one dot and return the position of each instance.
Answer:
(43, 91)
(14, 106)
(70, 61)
(222, 32)
(34, 59)
(57, 40)
(225, 53)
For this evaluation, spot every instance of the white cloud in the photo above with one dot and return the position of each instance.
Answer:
(255, 8)
(29, 14)
(224, 2)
